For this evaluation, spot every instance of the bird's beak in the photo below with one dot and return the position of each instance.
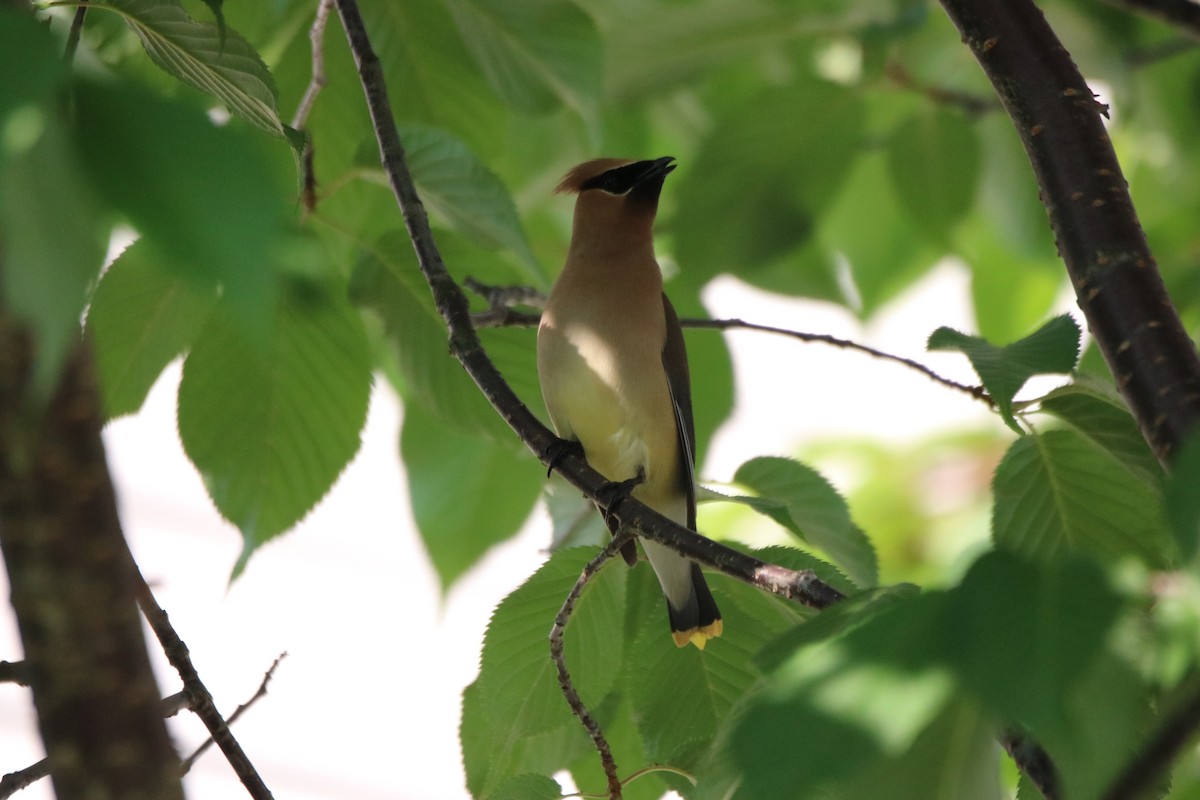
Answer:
(658, 168)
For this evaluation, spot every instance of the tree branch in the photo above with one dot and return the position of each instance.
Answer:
(14, 672)
(201, 700)
(188, 762)
(560, 662)
(1184, 15)
(316, 36)
(1160, 749)
(1116, 280)
(465, 346)
(72, 585)
(501, 315)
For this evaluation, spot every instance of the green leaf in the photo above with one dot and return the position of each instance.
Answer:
(885, 257)
(271, 425)
(466, 194)
(1052, 348)
(52, 239)
(680, 696)
(467, 493)
(517, 680)
(1059, 491)
(206, 56)
(1011, 291)
(31, 73)
(534, 53)
(934, 161)
(954, 758)
(141, 317)
(616, 720)
(491, 755)
(800, 499)
(835, 621)
(1182, 499)
(204, 196)
(430, 75)
(794, 146)
(527, 787)
(1023, 634)
(845, 704)
(386, 281)
(1094, 408)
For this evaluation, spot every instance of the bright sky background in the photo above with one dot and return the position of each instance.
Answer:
(366, 705)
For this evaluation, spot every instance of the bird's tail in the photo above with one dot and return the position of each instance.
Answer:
(691, 609)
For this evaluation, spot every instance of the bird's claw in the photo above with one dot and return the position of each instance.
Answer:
(613, 493)
(560, 449)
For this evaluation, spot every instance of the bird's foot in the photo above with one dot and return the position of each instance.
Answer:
(560, 449)
(613, 493)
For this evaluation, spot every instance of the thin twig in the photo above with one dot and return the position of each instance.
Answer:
(14, 672)
(977, 392)
(173, 704)
(262, 691)
(1155, 756)
(1183, 15)
(506, 296)
(560, 662)
(971, 104)
(501, 315)
(316, 35)
(14, 782)
(201, 699)
(74, 34)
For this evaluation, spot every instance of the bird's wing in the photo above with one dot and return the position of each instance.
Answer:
(679, 383)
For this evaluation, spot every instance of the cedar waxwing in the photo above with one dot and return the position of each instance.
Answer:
(613, 368)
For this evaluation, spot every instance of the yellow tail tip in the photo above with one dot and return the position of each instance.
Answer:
(698, 636)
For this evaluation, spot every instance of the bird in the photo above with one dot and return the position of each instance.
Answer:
(613, 369)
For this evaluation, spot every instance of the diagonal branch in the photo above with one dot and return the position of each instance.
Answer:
(464, 345)
(1154, 758)
(1116, 280)
(200, 699)
(190, 761)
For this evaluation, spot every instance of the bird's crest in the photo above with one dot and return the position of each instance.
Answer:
(573, 181)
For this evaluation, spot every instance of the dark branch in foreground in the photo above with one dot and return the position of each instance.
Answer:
(500, 314)
(1160, 749)
(71, 583)
(1116, 280)
(13, 782)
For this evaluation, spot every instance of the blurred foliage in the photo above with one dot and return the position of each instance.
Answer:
(834, 151)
